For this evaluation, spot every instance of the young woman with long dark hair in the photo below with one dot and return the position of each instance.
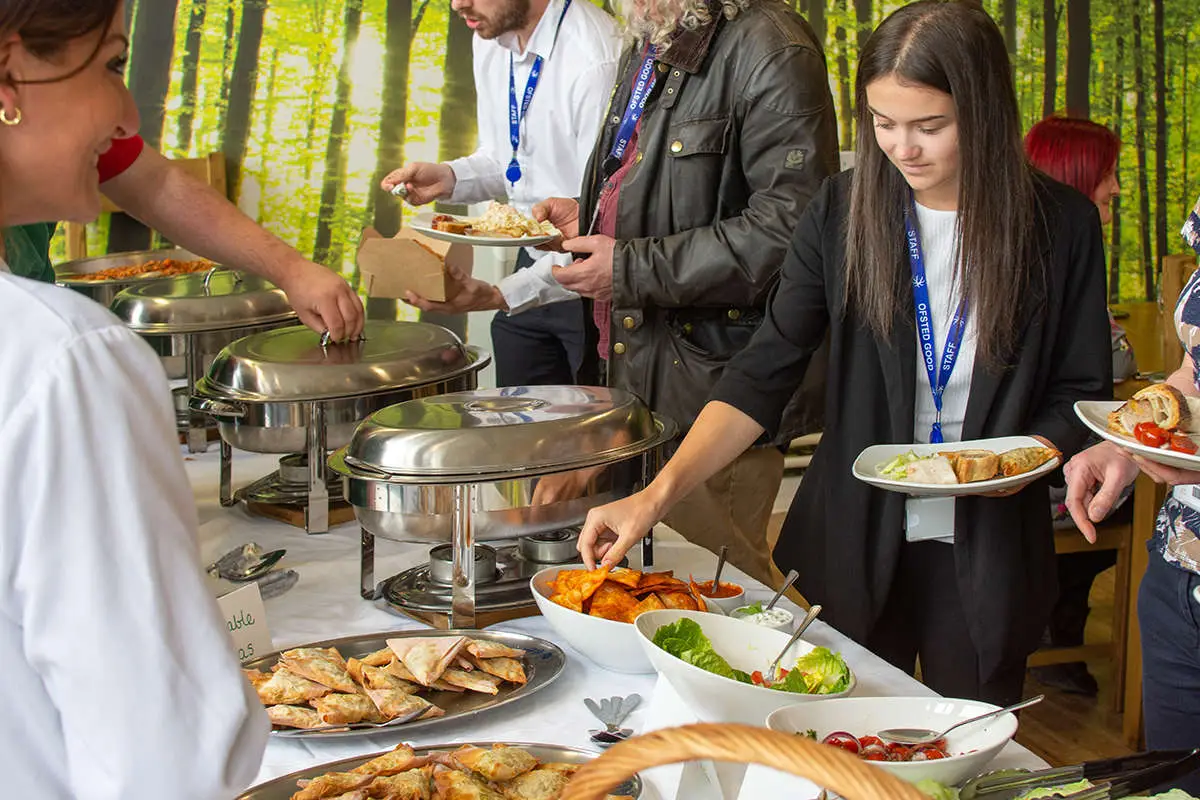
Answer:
(118, 675)
(943, 220)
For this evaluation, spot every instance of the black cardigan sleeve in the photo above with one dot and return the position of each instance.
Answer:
(1081, 358)
(761, 379)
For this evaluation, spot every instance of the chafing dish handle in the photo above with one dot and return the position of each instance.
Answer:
(219, 409)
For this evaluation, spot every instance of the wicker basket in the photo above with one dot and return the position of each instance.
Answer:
(825, 766)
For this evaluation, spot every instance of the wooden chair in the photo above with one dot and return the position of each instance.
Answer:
(210, 169)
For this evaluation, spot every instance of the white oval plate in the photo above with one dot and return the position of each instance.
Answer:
(424, 226)
(869, 460)
(1094, 414)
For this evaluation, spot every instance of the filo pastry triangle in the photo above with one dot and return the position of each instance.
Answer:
(427, 657)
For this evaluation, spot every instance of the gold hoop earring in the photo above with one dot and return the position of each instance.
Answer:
(7, 120)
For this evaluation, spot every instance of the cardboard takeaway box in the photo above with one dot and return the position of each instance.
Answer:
(408, 262)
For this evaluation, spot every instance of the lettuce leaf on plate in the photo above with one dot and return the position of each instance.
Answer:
(820, 672)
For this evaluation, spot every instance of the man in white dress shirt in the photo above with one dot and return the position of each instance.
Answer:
(538, 332)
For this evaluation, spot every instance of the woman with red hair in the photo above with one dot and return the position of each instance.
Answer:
(1083, 155)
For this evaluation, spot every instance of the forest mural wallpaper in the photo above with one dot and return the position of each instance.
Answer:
(312, 101)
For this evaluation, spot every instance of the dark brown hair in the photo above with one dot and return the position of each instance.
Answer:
(48, 26)
(952, 46)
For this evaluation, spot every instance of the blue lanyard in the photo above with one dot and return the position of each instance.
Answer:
(938, 372)
(642, 88)
(515, 114)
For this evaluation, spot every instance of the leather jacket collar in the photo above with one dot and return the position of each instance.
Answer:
(688, 48)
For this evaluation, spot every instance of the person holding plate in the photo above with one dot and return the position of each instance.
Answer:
(119, 679)
(543, 71)
(963, 296)
(1169, 597)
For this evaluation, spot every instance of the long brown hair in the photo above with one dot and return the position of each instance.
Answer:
(955, 47)
(48, 26)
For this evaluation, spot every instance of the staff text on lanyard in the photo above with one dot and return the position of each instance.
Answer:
(517, 113)
(938, 371)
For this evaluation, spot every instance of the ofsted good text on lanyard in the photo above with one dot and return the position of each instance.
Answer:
(642, 87)
(938, 370)
(515, 113)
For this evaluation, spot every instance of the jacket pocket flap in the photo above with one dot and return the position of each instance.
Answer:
(695, 137)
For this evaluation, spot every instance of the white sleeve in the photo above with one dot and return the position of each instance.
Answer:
(118, 620)
(536, 285)
(480, 176)
(594, 88)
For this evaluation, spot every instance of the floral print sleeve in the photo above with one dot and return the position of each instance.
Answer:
(1191, 229)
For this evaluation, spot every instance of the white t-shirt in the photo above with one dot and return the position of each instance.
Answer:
(939, 242)
(117, 677)
(557, 132)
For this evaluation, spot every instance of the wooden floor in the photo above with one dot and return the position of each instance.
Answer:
(1065, 728)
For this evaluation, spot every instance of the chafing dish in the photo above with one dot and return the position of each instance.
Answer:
(287, 391)
(188, 319)
(68, 273)
(494, 464)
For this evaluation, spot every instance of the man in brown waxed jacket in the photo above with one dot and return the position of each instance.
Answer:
(687, 210)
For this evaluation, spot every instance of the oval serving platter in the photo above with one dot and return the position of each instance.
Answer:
(283, 787)
(543, 663)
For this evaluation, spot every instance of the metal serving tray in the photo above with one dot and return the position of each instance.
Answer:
(284, 787)
(543, 663)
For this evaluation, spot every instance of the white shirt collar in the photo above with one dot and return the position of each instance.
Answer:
(542, 40)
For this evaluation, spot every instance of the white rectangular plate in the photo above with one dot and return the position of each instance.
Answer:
(424, 226)
(1094, 414)
(866, 467)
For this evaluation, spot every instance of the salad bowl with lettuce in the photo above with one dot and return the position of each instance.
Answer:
(716, 665)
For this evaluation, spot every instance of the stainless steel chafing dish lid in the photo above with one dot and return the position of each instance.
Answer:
(290, 364)
(202, 301)
(504, 431)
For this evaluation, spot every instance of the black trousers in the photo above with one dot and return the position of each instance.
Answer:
(924, 618)
(542, 346)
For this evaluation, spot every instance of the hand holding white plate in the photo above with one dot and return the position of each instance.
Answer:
(1094, 414)
(866, 467)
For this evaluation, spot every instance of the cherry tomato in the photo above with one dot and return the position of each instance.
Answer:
(1150, 434)
(874, 752)
(927, 753)
(757, 678)
(867, 741)
(898, 752)
(843, 740)
(1182, 444)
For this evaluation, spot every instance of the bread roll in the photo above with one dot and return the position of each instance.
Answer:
(1162, 404)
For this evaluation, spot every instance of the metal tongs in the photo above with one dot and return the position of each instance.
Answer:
(1111, 778)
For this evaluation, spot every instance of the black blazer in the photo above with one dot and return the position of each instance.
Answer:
(843, 536)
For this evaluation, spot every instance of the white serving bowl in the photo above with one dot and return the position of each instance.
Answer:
(787, 622)
(612, 645)
(862, 716)
(745, 646)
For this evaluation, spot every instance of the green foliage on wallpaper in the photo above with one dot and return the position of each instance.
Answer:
(297, 146)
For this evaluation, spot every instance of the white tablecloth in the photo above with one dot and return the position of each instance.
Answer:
(326, 604)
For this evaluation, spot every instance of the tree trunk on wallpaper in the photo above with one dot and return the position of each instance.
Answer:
(1143, 178)
(457, 131)
(226, 70)
(151, 51)
(318, 79)
(242, 88)
(862, 15)
(325, 250)
(188, 75)
(816, 18)
(1008, 15)
(1079, 57)
(268, 139)
(393, 119)
(1050, 50)
(846, 113)
(1160, 138)
(1118, 113)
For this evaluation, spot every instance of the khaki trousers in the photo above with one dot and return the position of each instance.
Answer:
(733, 508)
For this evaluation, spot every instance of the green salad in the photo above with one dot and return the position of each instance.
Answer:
(820, 672)
(897, 468)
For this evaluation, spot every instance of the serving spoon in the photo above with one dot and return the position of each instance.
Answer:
(915, 736)
(787, 582)
(772, 673)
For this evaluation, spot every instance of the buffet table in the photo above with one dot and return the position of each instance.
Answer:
(326, 604)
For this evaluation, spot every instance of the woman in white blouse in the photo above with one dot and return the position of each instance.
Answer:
(117, 677)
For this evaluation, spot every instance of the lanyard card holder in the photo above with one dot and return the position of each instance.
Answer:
(928, 518)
